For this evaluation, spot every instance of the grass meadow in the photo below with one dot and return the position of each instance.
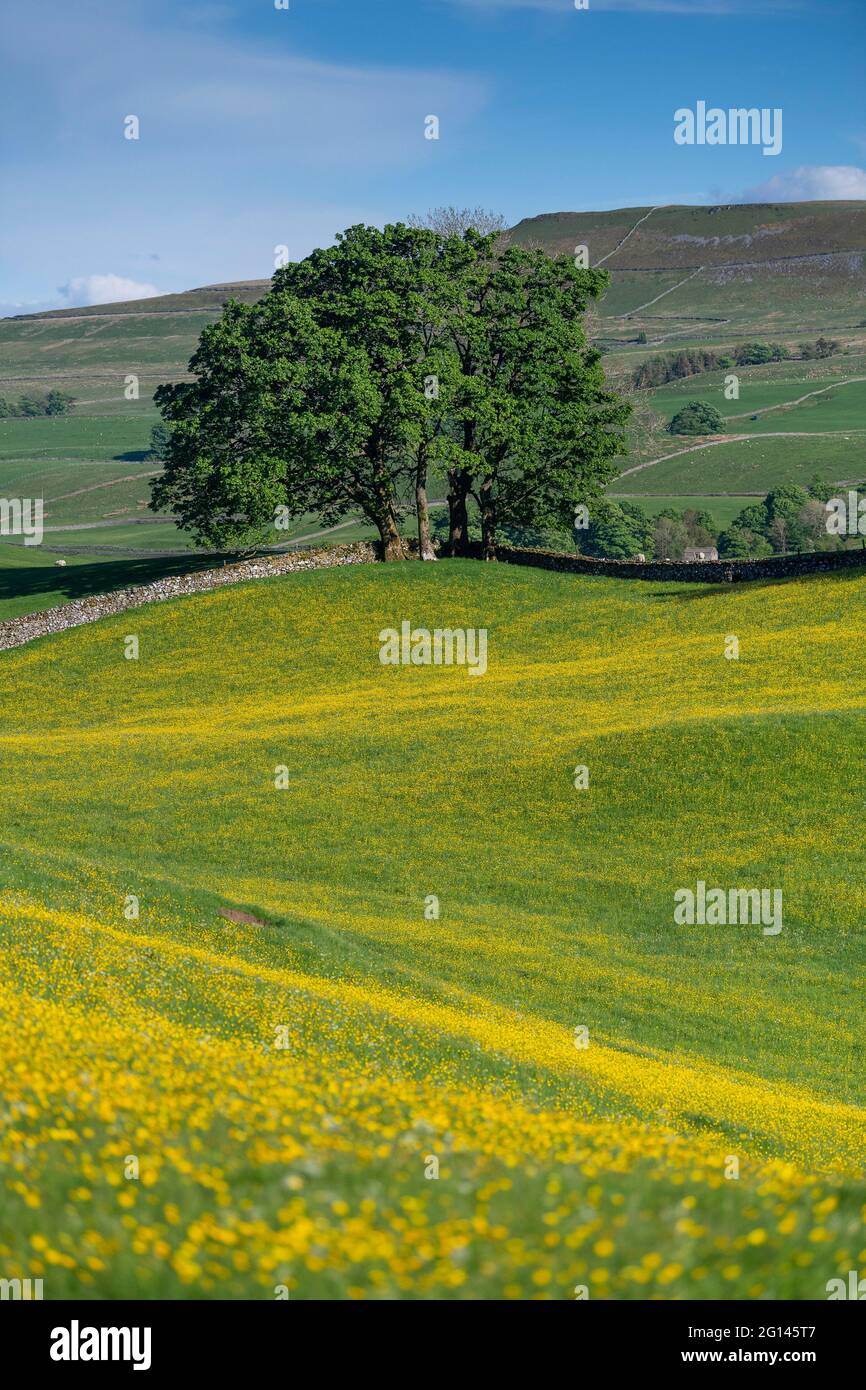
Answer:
(253, 1105)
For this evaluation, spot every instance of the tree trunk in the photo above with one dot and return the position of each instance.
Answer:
(487, 507)
(425, 544)
(392, 541)
(458, 490)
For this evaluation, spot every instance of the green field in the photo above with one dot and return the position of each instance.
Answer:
(31, 581)
(748, 466)
(721, 509)
(833, 408)
(284, 1082)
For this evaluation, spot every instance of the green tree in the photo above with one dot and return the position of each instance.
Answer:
(746, 537)
(785, 529)
(821, 490)
(392, 293)
(310, 400)
(160, 438)
(670, 536)
(642, 527)
(701, 530)
(612, 534)
(741, 543)
(698, 417)
(756, 354)
(537, 430)
(58, 402)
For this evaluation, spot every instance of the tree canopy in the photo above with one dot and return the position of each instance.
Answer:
(698, 417)
(381, 358)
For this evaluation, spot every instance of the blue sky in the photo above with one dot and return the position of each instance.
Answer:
(261, 127)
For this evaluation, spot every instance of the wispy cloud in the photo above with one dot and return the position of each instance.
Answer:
(218, 93)
(810, 183)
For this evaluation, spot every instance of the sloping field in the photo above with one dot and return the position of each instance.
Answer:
(680, 237)
(745, 466)
(287, 1082)
(800, 402)
(760, 267)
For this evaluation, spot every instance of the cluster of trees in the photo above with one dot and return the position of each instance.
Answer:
(756, 354)
(698, 417)
(790, 518)
(620, 530)
(391, 356)
(657, 371)
(822, 347)
(665, 367)
(48, 403)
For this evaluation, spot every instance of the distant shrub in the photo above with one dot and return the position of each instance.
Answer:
(756, 354)
(698, 417)
(617, 531)
(822, 347)
(28, 406)
(58, 402)
(160, 437)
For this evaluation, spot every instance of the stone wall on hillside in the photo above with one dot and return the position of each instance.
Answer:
(76, 612)
(699, 571)
(16, 631)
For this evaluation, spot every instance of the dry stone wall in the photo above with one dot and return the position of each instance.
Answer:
(16, 631)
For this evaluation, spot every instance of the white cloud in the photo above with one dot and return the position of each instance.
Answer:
(810, 183)
(102, 289)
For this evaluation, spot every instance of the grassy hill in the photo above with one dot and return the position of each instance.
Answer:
(285, 1076)
(789, 266)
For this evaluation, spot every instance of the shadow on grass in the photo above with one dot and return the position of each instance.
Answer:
(712, 588)
(82, 581)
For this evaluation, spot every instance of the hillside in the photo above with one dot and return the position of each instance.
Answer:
(794, 266)
(285, 1074)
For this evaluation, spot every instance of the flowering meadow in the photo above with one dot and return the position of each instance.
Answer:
(449, 1041)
